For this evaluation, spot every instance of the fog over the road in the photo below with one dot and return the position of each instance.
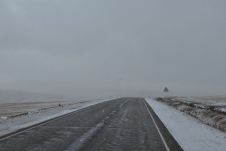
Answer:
(101, 48)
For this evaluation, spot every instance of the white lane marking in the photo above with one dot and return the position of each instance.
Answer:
(156, 126)
(82, 141)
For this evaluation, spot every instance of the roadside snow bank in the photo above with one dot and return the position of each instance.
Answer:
(212, 115)
(190, 133)
(9, 125)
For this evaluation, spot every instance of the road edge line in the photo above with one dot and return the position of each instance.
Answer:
(159, 132)
(11, 134)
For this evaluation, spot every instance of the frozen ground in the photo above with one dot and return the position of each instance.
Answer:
(209, 110)
(14, 116)
(191, 134)
(209, 100)
(13, 109)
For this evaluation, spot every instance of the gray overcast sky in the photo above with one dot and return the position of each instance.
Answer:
(100, 48)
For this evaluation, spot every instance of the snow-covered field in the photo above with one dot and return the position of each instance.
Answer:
(13, 109)
(191, 134)
(208, 110)
(14, 116)
(211, 100)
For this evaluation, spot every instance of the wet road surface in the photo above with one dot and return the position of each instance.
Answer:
(119, 125)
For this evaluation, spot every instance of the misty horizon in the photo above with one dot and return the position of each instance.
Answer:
(100, 49)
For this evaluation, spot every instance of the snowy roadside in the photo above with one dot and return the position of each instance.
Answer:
(209, 112)
(190, 133)
(9, 125)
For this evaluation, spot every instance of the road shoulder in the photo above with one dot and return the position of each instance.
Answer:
(190, 133)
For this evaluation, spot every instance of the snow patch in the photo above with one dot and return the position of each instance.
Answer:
(190, 133)
(4, 117)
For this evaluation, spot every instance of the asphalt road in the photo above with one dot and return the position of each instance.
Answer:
(124, 124)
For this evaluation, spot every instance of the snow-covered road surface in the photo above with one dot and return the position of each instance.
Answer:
(191, 134)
